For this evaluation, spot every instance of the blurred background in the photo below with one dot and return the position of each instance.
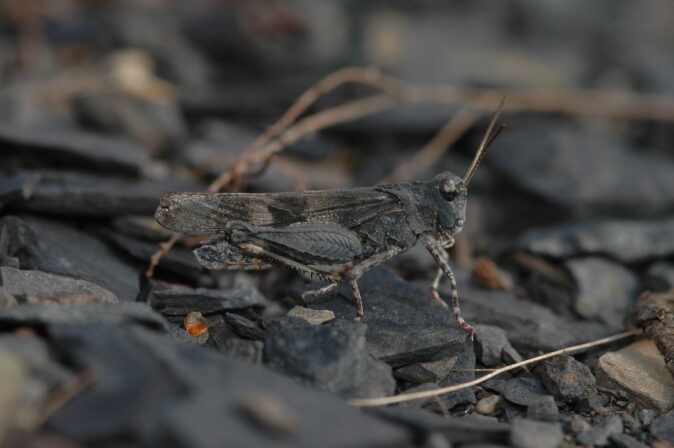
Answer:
(105, 105)
(191, 85)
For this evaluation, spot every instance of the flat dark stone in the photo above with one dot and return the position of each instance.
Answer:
(544, 409)
(23, 283)
(529, 326)
(492, 346)
(404, 324)
(626, 441)
(628, 241)
(462, 357)
(525, 433)
(521, 391)
(450, 366)
(151, 393)
(660, 276)
(50, 246)
(455, 430)
(584, 171)
(663, 427)
(331, 357)
(244, 327)
(599, 435)
(58, 148)
(76, 194)
(179, 261)
(606, 290)
(566, 379)
(108, 313)
(180, 302)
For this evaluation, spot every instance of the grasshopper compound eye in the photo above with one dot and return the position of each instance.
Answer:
(449, 189)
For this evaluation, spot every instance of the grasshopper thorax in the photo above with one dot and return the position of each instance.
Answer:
(449, 193)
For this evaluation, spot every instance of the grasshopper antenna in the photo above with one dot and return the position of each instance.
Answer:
(486, 142)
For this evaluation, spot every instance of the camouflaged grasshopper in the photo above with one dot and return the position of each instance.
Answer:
(331, 234)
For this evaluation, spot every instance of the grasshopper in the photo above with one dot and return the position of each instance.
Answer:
(331, 234)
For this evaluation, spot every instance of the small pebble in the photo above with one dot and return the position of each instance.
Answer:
(488, 405)
(314, 317)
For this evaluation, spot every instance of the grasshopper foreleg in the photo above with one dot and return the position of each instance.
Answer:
(442, 258)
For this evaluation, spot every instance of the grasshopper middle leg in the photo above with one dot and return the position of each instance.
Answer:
(353, 274)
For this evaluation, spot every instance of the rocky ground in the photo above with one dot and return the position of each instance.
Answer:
(105, 106)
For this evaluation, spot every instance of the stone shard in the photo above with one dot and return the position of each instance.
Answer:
(624, 240)
(331, 357)
(24, 283)
(404, 324)
(565, 378)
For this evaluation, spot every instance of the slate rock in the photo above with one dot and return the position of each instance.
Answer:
(462, 356)
(58, 148)
(456, 431)
(31, 314)
(521, 391)
(660, 276)
(544, 409)
(662, 428)
(331, 357)
(584, 171)
(244, 327)
(50, 246)
(606, 290)
(247, 349)
(24, 283)
(592, 404)
(404, 324)
(529, 326)
(492, 345)
(638, 372)
(180, 302)
(628, 241)
(599, 435)
(179, 261)
(626, 441)
(526, 433)
(153, 394)
(75, 194)
(565, 378)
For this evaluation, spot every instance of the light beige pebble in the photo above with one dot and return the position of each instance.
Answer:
(488, 405)
(639, 372)
(315, 317)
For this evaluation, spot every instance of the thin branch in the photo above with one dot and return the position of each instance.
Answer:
(423, 159)
(382, 401)
(164, 249)
(349, 111)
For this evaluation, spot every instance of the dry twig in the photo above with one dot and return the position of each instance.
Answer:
(382, 401)
(423, 159)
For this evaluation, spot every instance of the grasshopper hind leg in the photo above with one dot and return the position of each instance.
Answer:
(218, 253)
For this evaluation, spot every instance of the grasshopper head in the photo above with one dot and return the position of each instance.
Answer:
(450, 194)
